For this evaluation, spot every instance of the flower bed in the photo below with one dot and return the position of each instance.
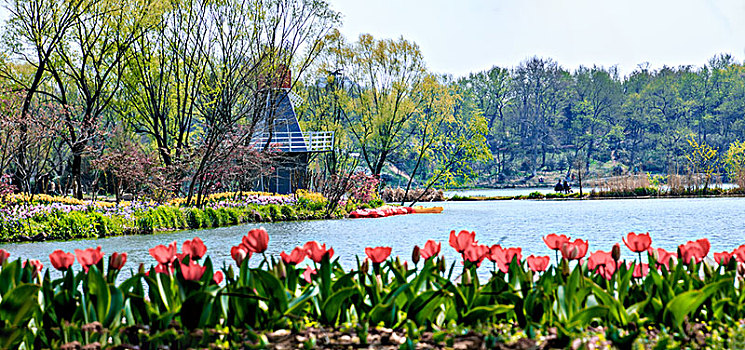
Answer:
(663, 300)
(48, 217)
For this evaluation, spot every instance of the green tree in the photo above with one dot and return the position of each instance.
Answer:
(387, 75)
(541, 93)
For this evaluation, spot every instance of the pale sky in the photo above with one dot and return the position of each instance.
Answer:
(458, 37)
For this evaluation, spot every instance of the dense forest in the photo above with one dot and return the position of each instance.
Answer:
(542, 117)
(169, 99)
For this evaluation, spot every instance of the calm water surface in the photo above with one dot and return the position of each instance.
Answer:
(510, 223)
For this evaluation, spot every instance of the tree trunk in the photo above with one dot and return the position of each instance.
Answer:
(77, 162)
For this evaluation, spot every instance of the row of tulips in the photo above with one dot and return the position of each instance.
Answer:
(182, 300)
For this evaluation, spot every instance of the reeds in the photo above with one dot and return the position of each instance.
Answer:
(623, 183)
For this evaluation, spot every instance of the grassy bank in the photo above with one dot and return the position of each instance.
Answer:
(62, 218)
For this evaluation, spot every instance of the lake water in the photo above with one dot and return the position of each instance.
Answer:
(520, 223)
(524, 191)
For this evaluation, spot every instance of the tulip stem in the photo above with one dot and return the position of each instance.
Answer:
(556, 251)
(640, 260)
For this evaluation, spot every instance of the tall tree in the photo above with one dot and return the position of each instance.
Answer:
(387, 73)
(540, 88)
(596, 96)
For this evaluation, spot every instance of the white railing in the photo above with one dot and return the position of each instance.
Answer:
(306, 141)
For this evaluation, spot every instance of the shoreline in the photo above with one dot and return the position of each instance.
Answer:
(575, 196)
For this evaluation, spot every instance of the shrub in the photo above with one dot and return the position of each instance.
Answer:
(214, 217)
(288, 212)
(274, 212)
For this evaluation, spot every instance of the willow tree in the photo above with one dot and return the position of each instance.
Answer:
(387, 75)
(491, 92)
(464, 143)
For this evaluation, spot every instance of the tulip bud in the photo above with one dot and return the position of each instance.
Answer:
(364, 267)
(741, 269)
(281, 269)
(615, 253)
(441, 265)
(466, 277)
(415, 255)
(231, 273)
(141, 269)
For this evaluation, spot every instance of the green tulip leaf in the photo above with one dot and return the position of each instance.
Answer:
(295, 304)
(99, 293)
(684, 304)
(333, 304)
(482, 313)
(273, 288)
(19, 304)
(584, 317)
(196, 310)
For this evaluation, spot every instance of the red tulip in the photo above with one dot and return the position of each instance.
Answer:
(3, 256)
(574, 250)
(600, 258)
(431, 248)
(511, 253)
(554, 241)
(256, 240)
(462, 241)
(316, 252)
(307, 273)
(239, 253)
(296, 256)
(192, 271)
(163, 268)
(476, 253)
(378, 254)
(640, 270)
(164, 255)
(35, 263)
(638, 242)
(705, 245)
(538, 263)
(692, 251)
(722, 258)
(602, 263)
(662, 256)
(218, 277)
(739, 253)
(61, 260)
(503, 257)
(195, 249)
(116, 261)
(89, 257)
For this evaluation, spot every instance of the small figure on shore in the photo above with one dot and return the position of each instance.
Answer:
(559, 187)
(567, 189)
